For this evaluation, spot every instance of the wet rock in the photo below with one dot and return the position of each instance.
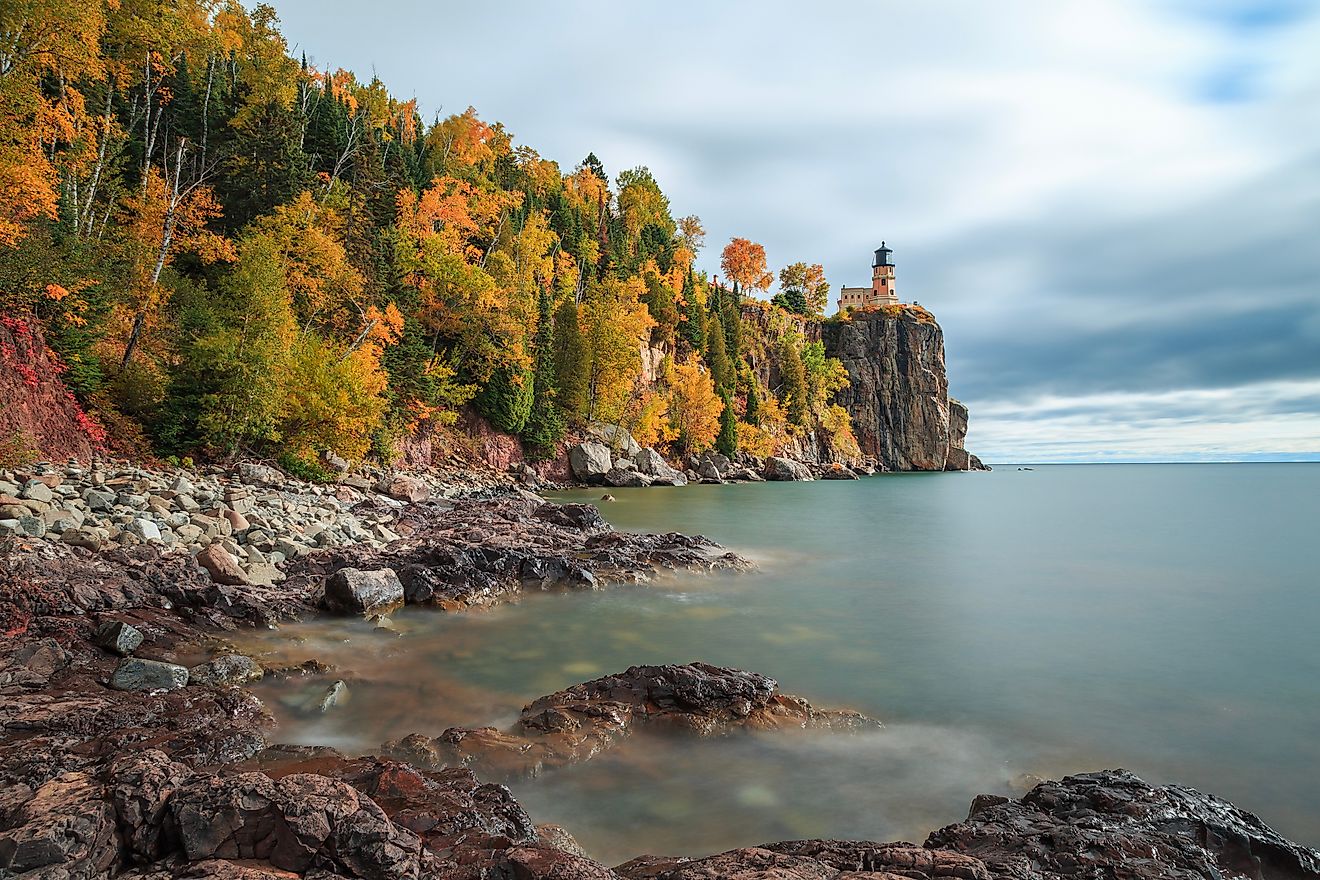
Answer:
(559, 837)
(334, 695)
(136, 674)
(118, 637)
(1113, 824)
(354, 591)
(221, 565)
(590, 461)
(229, 669)
(785, 469)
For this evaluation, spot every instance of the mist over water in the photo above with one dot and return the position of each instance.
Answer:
(1160, 618)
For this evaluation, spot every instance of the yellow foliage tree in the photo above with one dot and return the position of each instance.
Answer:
(694, 407)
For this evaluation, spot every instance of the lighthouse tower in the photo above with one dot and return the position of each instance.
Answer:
(882, 277)
(881, 292)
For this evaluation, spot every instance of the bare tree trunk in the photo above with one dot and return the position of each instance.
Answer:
(206, 103)
(85, 218)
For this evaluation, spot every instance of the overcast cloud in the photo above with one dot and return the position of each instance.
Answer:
(1112, 207)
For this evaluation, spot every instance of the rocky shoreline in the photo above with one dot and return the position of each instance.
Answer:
(132, 748)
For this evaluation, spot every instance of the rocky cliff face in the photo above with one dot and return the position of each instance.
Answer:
(898, 396)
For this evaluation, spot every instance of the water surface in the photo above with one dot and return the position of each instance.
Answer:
(1161, 618)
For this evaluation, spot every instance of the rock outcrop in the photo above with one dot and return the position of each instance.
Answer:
(898, 393)
(580, 722)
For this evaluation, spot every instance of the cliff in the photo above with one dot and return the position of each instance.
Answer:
(898, 393)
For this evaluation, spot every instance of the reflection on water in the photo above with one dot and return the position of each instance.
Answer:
(1065, 619)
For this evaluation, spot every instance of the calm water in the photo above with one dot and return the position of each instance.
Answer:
(1162, 618)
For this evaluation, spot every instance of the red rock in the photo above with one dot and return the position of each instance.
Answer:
(221, 565)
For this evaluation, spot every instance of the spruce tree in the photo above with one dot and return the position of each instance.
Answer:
(693, 328)
(717, 356)
(570, 361)
(726, 443)
(793, 391)
(752, 415)
(545, 426)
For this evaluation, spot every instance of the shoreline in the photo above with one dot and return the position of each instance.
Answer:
(155, 769)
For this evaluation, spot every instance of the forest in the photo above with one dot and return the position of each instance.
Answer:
(230, 250)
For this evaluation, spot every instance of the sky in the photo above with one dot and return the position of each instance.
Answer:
(1111, 206)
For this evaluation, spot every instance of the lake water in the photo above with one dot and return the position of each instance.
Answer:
(1161, 618)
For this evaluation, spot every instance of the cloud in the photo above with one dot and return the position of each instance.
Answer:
(1102, 202)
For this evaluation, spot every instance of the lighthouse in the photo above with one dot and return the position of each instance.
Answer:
(881, 292)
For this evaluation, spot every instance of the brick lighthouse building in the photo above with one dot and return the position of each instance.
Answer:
(881, 292)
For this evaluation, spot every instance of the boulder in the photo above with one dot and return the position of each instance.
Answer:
(254, 474)
(404, 487)
(295, 823)
(36, 490)
(653, 465)
(333, 462)
(615, 437)
(144, 529)
(354, 591)
(118, 637)
(590, 461)
(221, 565)
(136, 674)
(625, 477)
(785, 469)
(229, 669)
(837, 471)
(65, 829)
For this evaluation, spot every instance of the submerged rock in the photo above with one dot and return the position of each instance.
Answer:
(229, 669)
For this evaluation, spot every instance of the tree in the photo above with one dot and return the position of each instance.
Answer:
(545, 424)
(571, 362)
(743, 261)
(793, 387)
(694, 407)
(804, 288)
(692, 327)
(727, 441)
(717, 355)
(505, 398)
(615, 323)
(752, 412)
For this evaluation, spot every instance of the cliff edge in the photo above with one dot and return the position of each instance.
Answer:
(898, 392)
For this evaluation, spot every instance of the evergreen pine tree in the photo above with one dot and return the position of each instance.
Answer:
(545, 426)
(793, 391)
(726, 442)
(717, 356)
(693, 327)
(570, 361)
(752, 415)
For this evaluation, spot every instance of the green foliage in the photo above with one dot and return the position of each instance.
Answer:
(304, 468)
(726, 442)
(717, 356)
(752, 415)
(506, 398)
(693, 327)
(571, 361)
(545, 424)
(792, 300)
(793, 387)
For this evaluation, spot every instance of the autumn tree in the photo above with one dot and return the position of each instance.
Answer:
(615, 322)
(744, 262)
(803, 289)
(694, 407)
